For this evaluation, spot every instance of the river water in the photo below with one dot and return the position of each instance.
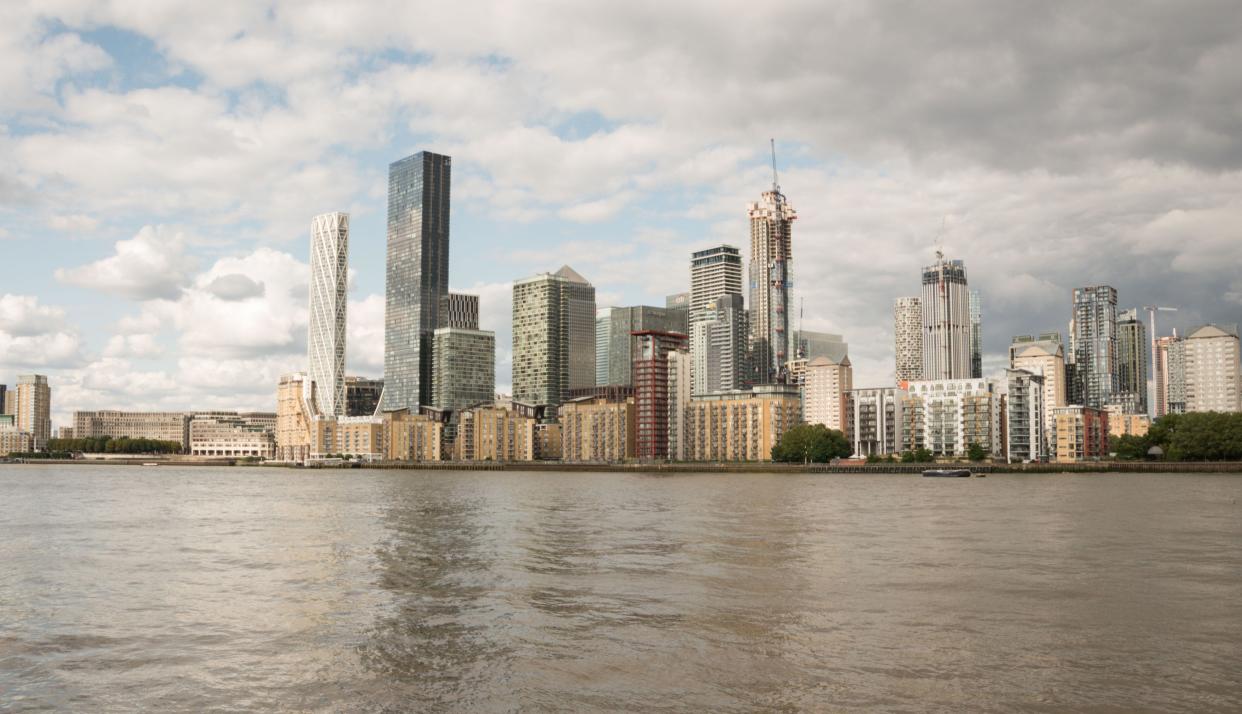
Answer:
(199, 589)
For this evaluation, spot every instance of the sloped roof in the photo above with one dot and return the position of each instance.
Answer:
(571, 275)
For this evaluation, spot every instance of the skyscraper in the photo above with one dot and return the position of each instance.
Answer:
(459, 310)
(714, 272)
(718, 354)
(33, 409)
(325, 338)
(553, 336)
(613, 348)
(1095, 344)
(417, 274)
(946, 320)
(908, 336)
(771, 260)
(465, 368)
(976, 335)
(1132, 350)
(1162, 374)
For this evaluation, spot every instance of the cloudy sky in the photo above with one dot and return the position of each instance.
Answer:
(160, 165)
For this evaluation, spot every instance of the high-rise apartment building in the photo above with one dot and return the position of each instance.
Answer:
(553, 336)
(976, 335)
(1094, 341)
(33, 409)
(464, 373)
(417, 275)
(325, 339)
(946, 320)
(1043, 355)
(714, 272)
(1025, 432)
(824, 386)
(679, 395)
(1162, 375)
(719, 355)
(4, 405)
(1212, 378)
(1176, 378)
(459, 310)
(613, 343)
(875, 420)
(651, 364)
(908, 336)
(771, 262)
(1130, 391)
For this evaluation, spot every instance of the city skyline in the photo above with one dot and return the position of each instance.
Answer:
(182, 277)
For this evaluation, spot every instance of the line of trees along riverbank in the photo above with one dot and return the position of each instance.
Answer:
(1201, 436)
(109, 445)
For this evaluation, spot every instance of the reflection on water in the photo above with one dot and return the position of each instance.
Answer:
(239, 589)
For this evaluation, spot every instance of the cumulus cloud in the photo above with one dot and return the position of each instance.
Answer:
(76, 223)
(35, 335)
(235, 286)
(153, 264)
(136, 346)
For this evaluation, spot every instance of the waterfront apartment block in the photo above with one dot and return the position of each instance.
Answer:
(1024, 411)
(741, 425)
(33, 409)
(232, 434)
(946, 416)
(874, 420)
(597, 430)
(412, 437)
(295, 413)
(1082, 433)
(494, 433)
(1122, 423)
(1212, 377)
(553, 336)
(162, 426)
(12, 439)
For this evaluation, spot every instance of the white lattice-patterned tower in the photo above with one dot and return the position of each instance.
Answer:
(326, 335)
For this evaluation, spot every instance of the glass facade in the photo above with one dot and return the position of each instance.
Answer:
(417, 275)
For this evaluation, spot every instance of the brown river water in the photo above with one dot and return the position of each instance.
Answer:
(203, 589)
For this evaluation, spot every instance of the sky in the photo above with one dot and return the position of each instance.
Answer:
(160, 164)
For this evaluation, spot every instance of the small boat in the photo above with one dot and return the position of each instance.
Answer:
(947, 473)
(150, 463)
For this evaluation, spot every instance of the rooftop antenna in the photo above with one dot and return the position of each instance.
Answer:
(776, 186)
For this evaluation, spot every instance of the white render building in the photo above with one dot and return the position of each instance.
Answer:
(875, 420)
(1212, 369)
(325, 337)
(946, 320)
(1024, 411)
(946, 416)
(908, 338)
(1044, 355)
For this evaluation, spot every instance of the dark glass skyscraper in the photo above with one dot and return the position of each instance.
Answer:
(1095, 345)
(417, 275)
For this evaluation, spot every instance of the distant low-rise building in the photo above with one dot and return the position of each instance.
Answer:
(1082, 433)
(598, 430)
(1122, 423)
(741, 425)
(13, 440)
(160, 426)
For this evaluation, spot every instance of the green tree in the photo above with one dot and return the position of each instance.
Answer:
(811, 443)
(975, 452)
(1129, 447)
